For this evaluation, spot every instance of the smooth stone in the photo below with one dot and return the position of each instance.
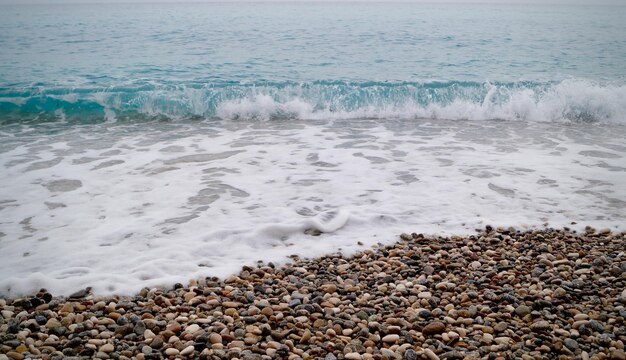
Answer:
(425, 295)
(305, 337)
(107, 348)
(215, 338)
(434, 328)
(171, 352)
(188, 350)
(430, 354)
(157, 342)
(500, 327)
(523, 310)
(581, 317)
(192, 328)
(7, 314)
(487, 338)
(352, 356)
(541, 325)
(502, 340)
(148, 334)
(596, 326)
(53, 323)
(559, 293)
(392, 338)
(267, 311)
(66, 309)
(571, 344)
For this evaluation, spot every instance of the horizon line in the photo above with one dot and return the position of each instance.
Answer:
(617, 3)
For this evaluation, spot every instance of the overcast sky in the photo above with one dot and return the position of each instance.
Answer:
(589, 2)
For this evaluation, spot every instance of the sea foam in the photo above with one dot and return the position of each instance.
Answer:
(126, 205)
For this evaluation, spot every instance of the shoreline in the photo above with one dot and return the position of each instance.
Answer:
(497, 294)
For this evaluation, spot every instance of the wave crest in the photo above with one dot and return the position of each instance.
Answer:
(569, 100)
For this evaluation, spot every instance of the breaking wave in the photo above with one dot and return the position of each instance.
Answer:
(568, 100)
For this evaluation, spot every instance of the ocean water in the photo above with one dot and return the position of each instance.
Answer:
(146, 144)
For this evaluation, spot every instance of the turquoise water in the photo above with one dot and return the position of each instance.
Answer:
(306, 60)
(144, 145)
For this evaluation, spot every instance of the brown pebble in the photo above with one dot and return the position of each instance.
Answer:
(435, 327)
(215, 338)
(305, 337)
(15, 355)
(267, 311)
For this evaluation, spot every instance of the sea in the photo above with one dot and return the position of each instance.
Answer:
(151, 143)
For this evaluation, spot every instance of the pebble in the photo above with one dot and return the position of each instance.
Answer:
(353, 356)
(497, 294)
(541, 325)
(433, 328)
(571, 344)
(425, 295)
(187, 351)
(305, 337)
(410, 354)
(102, 355)
(430, 354)
(267, 311)
(192, 328)
(53, 323)
(522, 310)
(392, 338)
(215, 338)
(107, 348)
(487, 338)
(500, 327)
(171, 352)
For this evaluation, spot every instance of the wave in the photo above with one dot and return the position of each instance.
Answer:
(568, 100)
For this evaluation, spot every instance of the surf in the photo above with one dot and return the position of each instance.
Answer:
(571, 100)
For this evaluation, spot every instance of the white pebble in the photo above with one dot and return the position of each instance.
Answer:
(188, 350)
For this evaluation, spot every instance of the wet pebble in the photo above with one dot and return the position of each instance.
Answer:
(497, 294)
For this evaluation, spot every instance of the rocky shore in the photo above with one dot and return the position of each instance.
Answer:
(499, 294)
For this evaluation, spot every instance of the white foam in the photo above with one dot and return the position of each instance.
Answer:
(118, 207)
(263, 107)
(565, 101)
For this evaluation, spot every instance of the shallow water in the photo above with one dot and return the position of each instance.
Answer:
(117, 207)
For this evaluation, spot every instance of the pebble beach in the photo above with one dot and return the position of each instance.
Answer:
(299, 180)
(498, 294)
